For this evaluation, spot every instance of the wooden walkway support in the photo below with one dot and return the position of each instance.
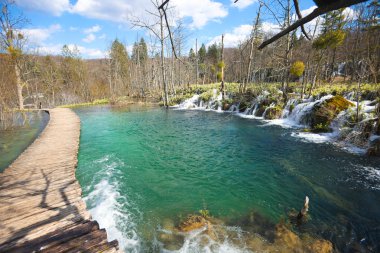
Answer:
(41, 209)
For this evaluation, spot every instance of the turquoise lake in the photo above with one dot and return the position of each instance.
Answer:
(142, 168)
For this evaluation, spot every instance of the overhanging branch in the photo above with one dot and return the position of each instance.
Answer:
(317, 12)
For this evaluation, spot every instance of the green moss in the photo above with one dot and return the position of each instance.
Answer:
(291, 108)
(324, 113)
(243, 106)
(273, 112)
(321, 128)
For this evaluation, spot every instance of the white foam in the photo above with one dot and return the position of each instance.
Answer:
(107, 206)
(195, 241)
(313, 137)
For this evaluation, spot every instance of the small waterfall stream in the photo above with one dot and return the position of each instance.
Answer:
(296, 114)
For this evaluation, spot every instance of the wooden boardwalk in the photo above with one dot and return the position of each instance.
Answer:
(41, 209)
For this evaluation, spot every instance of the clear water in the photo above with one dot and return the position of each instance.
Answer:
(14, 140)
(143, 167)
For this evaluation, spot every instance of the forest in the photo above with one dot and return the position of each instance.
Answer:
(341, 47)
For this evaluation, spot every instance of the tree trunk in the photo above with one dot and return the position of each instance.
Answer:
(19, 87)
(222, 56)
(166, 102)
(253, 40)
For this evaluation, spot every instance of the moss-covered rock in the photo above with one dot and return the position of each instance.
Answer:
(325, 112)
(273, 113)
(243, 106)
(260, 110)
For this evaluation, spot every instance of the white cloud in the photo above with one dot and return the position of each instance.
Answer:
(89, 38)
(268, 27)
(103, 36)
(39, 35)
(242, 4)
(234, 38)
(350, 14)
(116, 10)
(200, 11)
(93, 29)
(241, 33)
(55, 7)
(56, 49)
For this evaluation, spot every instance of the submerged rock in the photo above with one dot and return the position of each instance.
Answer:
(171, 240)
(287, 239)
(193, 222)
(320, 246)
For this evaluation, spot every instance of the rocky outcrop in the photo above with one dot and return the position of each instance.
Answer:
(273, 113)
(323, 113)
(360, 134)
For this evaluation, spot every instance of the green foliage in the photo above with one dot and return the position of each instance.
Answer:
(297, 68)
(219, 76)
(333, 34)
(321, 128)
(204, 213)
(202, 54)
(207, 95)
(179, 99)
(213, 53)
(221, 65)
(140, 52)
(330, 39)
(291, 108)
(14, 52)
(192, 55)
(95, 102)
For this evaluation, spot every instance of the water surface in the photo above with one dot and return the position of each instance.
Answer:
(14, 140)
(142, 168)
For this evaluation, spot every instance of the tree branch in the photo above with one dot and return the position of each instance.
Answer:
(317, 12)
(297, 7)
(167, 24)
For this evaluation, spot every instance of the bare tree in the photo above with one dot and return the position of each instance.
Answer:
(11, 39)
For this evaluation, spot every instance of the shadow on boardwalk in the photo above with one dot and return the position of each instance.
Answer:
(41, 209)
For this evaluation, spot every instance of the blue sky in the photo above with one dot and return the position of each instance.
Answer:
(92, 25)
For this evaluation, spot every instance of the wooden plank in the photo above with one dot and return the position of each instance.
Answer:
(41, 209)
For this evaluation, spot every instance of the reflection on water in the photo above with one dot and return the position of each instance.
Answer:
(144, 170)
(14, 140)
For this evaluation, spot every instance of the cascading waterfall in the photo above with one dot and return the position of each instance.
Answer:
(296, 114)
